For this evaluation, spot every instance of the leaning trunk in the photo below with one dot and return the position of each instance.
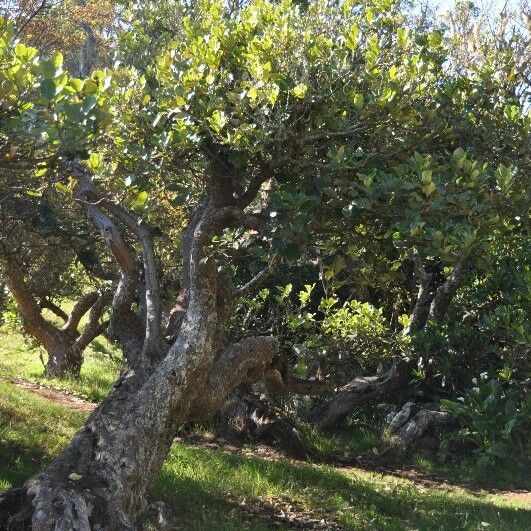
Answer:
(101, 480)
(360, 391)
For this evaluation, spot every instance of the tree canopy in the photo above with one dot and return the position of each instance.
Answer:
(293, 193)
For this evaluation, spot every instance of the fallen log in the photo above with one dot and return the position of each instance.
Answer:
(358, 392)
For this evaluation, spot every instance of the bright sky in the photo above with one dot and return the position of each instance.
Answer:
(496, 4)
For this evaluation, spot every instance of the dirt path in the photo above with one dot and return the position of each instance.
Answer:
(53, 394)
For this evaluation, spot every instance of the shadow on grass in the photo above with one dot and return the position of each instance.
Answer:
(19, 459)
(197, 478)
(203, 486)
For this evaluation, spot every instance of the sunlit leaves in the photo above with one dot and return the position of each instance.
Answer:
(352, 37)
(52, 67)
(403, 37)
(299, 91)
(217, 120)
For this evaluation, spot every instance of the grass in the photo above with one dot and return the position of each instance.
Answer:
(513, 475)
(346, 439)
(205, 487)
(32, 431)
(20, 359)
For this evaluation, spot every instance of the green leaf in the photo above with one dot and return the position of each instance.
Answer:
(252, 93)
(218, 120)
(426, 177)
(95, 160)
(57, 59)
(140, 200)
(90, 87)
(299, 91)
(459, 154)
(498, 450)
(352, 37)
(52, 67)
(508, 428)
(76, 84)
(357, 100)
(88, 104)
(403, 37)
(25, 53)
(48, 89)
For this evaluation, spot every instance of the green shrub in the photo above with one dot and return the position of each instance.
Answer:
(495, 416)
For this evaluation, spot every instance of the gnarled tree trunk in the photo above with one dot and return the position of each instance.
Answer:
(101, 479)
(358, 392)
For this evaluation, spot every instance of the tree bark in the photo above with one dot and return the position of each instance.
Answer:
(420, 313)
(253, 416)
(359, 391)
(100, 481)
(412, 422)
(446, 291)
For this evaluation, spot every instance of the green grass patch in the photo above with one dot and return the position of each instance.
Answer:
(20, 358)
(32, 431)
(204, 486)
(513, 475)
(354, 439)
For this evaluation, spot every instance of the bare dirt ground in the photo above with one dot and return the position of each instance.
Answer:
(55, 395)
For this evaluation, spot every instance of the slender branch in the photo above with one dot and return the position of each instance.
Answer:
(49, 305)
(248, 196)
(420, 313)
(31, 17)
(259, 277)
(124, 325)
(447, 290)
(34, 323)
(94, 328)
(81, 307)
(89, 192)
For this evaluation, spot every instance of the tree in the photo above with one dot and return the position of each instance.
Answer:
(41, 239)
(254, 114)
(80, 29)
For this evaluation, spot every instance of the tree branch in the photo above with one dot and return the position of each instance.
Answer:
(89, 192)
(23, 26)
(359, 391)
(94, 328)
(124, 325)
(248, 196)
(34, 323)
(447, 290)
(420, 313)
(259, 277)
(81, 307)
(294, 384)
(241, 362)
(49, 305)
